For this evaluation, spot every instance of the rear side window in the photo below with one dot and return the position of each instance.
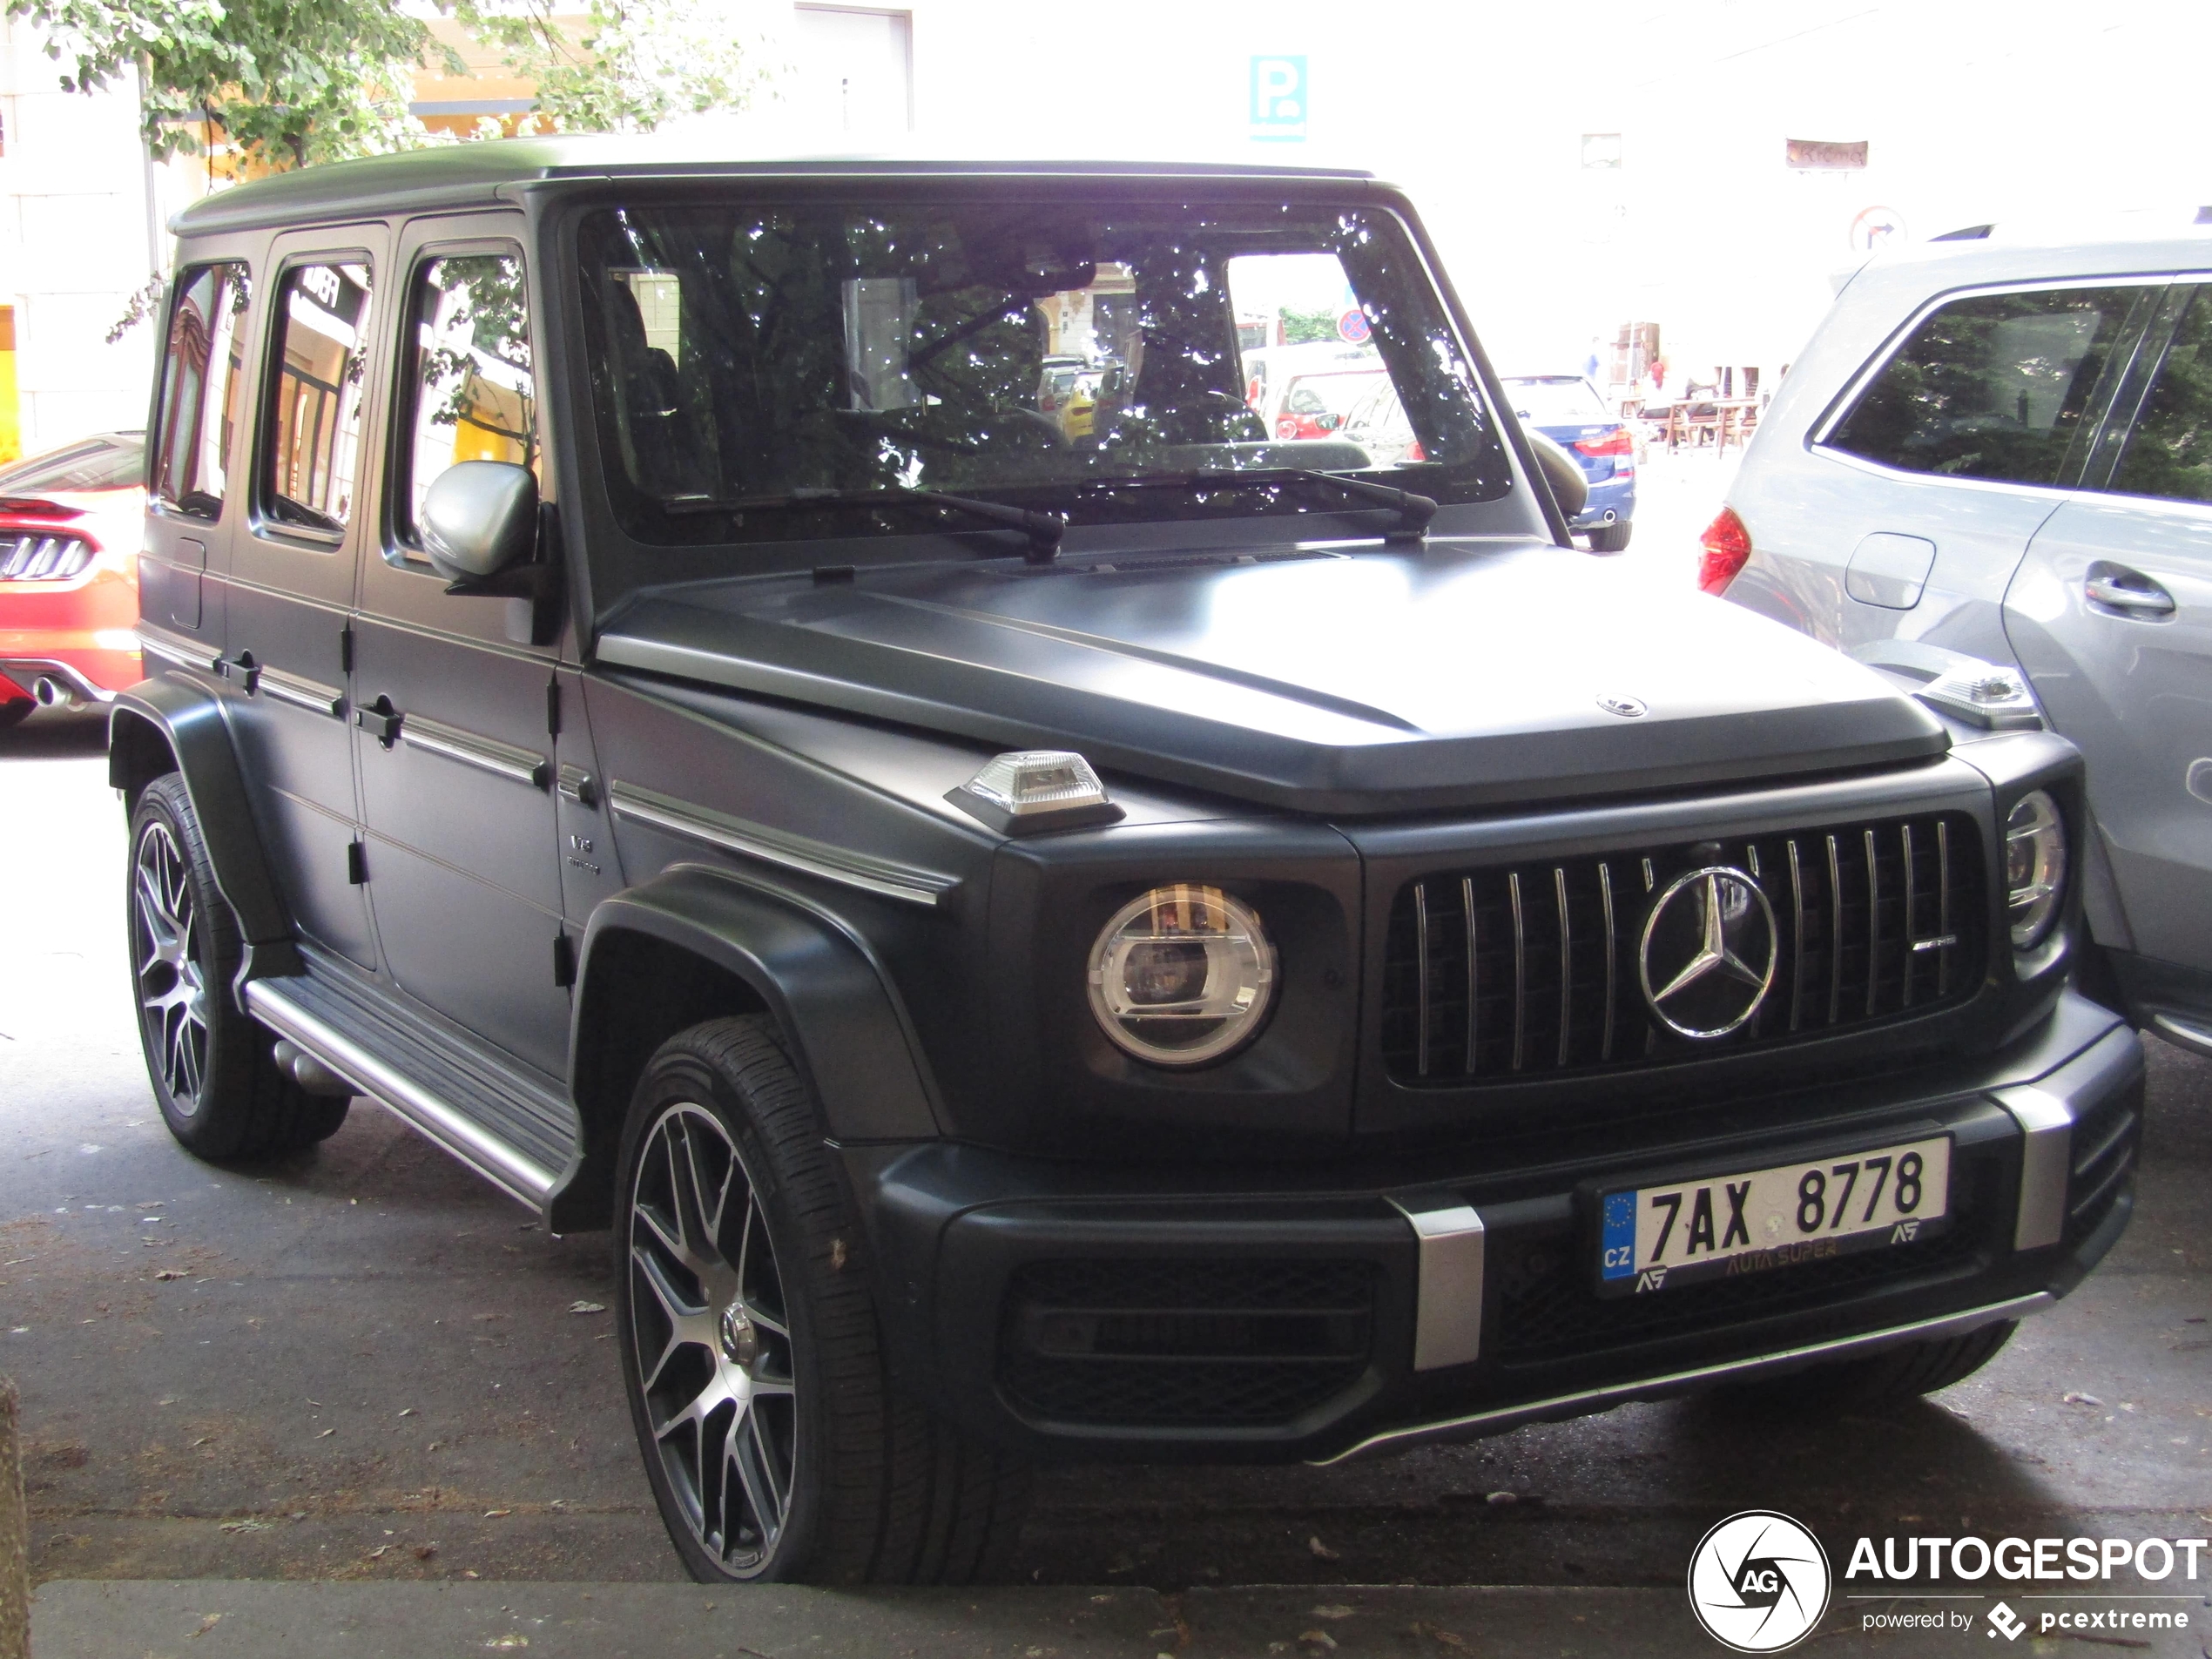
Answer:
(201, 367)
(2171, 452)
(313, 429)
(474, 397)
(1996, 385)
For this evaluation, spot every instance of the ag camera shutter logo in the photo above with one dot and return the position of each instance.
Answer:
(1759, 1582)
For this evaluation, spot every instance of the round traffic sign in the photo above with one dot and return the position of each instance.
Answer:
(1353, 327)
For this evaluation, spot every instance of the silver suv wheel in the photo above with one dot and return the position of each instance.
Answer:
(713, 1339)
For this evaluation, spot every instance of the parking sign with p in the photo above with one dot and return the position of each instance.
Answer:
(1279, 98)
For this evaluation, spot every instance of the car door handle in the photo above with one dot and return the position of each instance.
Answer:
(380, 720)
(241, 668)
(2127, 591)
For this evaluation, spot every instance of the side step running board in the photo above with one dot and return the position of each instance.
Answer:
(512, 1170)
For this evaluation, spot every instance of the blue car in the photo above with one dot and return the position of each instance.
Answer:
(1567, 409)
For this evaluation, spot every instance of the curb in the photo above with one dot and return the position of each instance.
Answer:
(415, 1619)
(15, 1535)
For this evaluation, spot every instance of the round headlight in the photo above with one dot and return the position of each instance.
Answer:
(1181, 975)
(2034, 867)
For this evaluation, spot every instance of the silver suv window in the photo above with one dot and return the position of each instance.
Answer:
(1995, 386)
(2169, 453)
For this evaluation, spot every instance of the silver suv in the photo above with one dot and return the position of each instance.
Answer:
(1998, 450)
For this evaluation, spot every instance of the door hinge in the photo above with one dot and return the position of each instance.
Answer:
(563, 961)
(345, 648)
(552, 708)
(356, 862)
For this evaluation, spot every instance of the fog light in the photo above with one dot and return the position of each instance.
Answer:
(1181, 975)
(2034, 867)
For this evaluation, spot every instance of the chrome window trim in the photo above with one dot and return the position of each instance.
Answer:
(925, 888)
(486, 755)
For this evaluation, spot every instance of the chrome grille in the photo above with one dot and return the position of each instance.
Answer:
(42, 555)
(1530, 970)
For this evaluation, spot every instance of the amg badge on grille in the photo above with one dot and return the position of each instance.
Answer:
(1708, 952)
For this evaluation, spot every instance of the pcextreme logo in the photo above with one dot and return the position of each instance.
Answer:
(1758, 1581)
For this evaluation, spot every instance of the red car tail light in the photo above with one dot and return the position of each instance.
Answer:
(1616, 442)
(1728, 548)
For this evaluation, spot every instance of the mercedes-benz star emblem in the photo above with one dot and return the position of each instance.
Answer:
(1709, 953)
(1629, 708)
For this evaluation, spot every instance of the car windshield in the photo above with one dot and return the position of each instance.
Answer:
(747, 361)
(118, 463)
(1557, 400)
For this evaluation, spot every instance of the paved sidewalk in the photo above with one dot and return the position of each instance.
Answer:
(258, 1619)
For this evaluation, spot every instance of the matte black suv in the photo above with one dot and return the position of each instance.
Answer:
(1152, 943)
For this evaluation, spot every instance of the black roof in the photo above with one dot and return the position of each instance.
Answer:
(478, 173)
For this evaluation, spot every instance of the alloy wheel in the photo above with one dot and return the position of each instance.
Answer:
(165, 945)
(710, 1333)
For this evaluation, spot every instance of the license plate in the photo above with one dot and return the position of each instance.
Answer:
(1658, 1237)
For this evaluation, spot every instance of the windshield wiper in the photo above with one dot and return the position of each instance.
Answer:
(1043, 530)
(1413, 511)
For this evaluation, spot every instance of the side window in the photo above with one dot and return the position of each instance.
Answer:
(472, 394)
(1996, 385)
(2169, 453)
(313, 429)
(200, 376)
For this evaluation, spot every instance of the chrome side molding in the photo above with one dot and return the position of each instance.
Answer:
(776, 846)
(518, 1176)
(1447, 1316)
(300, 692)
(1584, 1401)
(485, 754)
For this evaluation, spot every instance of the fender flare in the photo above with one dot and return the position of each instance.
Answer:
(847, 1028)
(193, 726)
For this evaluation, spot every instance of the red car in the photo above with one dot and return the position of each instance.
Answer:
(68, 581)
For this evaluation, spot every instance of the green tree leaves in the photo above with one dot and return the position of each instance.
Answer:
(289, 81)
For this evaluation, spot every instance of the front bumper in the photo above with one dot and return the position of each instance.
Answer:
(1076, 1310)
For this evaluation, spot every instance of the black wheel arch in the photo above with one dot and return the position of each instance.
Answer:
(165, 726)
(695, 943)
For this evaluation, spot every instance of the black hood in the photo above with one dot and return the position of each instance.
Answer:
(1467, 674)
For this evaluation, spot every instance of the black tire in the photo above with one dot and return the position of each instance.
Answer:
(16, 710)
(779, 1366)
(1901, 1373)
(1610, 538)
(212, 1069)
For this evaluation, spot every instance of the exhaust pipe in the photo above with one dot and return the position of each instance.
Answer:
(51, 693)
(309, 1072)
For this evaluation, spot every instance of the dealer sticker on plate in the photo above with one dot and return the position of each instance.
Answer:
(1659, 1237)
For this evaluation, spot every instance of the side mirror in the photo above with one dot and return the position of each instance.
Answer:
(478, 518)
(1568, 487)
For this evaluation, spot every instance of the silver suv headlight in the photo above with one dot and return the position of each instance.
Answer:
(2034, 867)
(1181, 975)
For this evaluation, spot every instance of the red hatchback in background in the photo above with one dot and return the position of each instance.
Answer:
(69, 524)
